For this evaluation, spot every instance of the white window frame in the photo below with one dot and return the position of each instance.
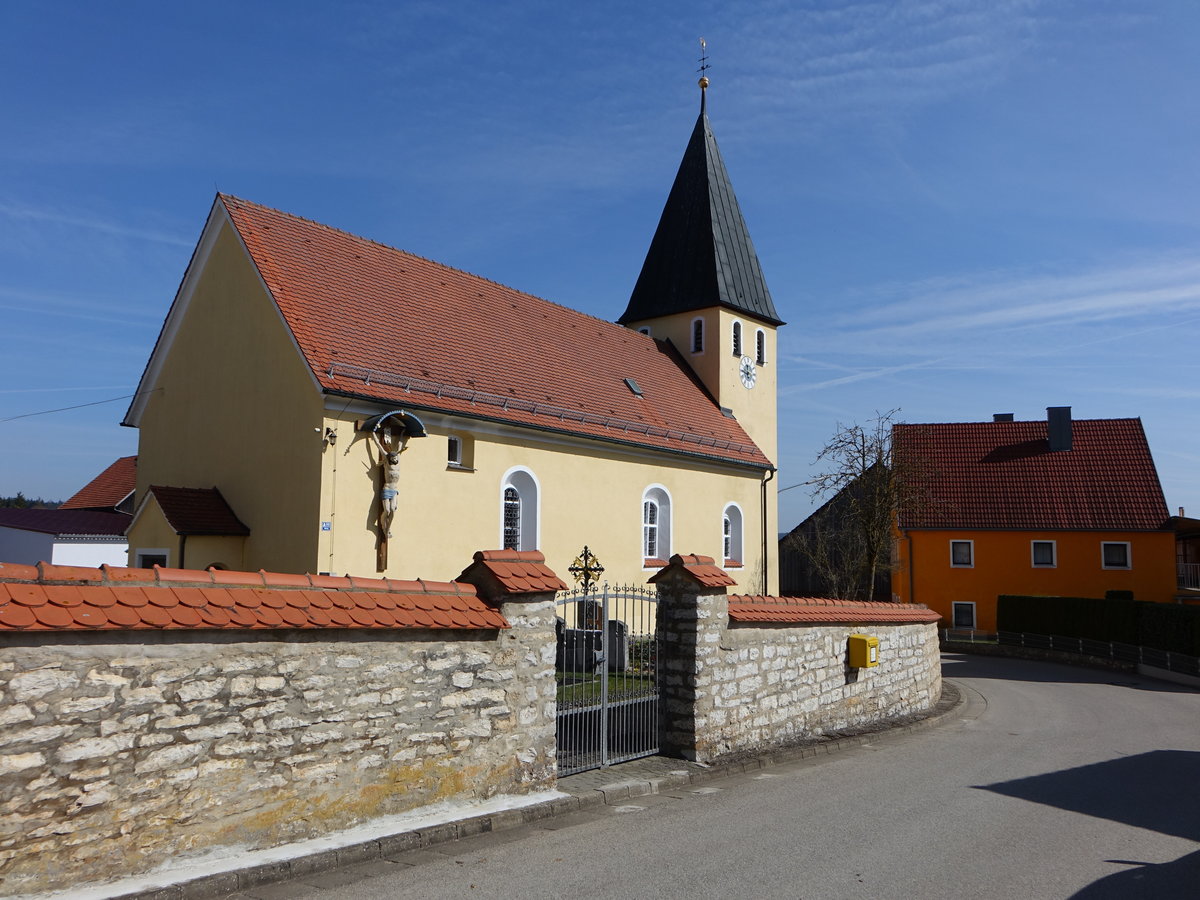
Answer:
(454, 450)
(141, 552)
(971, 550)
(661, 497)
(954, 614)
(696, 345)
(737, 534)
(1128, 555)
(735, 337)
(1053, 564)
(529, 490)
(760, 347)
(645, 329)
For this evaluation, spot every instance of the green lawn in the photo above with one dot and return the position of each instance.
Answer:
(586, 690)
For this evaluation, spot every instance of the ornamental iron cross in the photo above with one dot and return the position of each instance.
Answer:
(586, 568)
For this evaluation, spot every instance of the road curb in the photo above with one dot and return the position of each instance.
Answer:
(209, 887)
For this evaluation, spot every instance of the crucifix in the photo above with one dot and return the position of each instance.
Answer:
(586, 569)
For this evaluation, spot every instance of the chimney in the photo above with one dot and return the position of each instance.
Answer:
(1058, 427)
(1002, 417)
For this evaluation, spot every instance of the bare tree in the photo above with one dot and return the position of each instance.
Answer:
(847, 544)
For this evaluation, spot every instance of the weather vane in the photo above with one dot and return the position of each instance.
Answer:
(586, 568)
(704, 67)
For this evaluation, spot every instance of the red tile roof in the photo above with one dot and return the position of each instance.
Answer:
(70, 598)
(1002, 475)
(66, 521)
(108, 488)
(469, 345)
(820, 610)
(197, 511)
(516, 571)
(703, 569)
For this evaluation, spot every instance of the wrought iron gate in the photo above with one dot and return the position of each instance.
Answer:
(607, 668)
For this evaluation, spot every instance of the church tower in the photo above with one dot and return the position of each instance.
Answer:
(701, 287)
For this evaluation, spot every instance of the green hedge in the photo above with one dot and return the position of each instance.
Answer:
(1162, 626)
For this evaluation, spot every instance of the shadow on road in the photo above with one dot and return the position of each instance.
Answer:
(1175, 880)
(1155, 790)
(966, 665)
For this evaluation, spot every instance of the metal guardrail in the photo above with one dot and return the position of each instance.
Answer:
(1131, 653)
(1188, 576)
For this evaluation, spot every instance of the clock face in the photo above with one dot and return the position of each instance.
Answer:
(747, 371)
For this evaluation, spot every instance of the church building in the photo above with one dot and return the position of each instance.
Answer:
(319, 402)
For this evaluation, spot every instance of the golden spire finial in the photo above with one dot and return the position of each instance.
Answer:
(703, 82)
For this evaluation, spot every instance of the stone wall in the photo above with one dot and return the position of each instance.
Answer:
(119, 753)
(771, 686)
(736, 688)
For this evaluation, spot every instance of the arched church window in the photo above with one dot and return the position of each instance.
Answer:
(697, 335)
(656, 524)
(512, 519)
(760, 342)
(519, 510)
(737, 338)
(731, 535)
(649, 529)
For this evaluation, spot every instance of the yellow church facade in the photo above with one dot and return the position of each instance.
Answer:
(318, 402)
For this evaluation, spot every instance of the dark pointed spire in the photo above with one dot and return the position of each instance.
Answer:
(701, 255)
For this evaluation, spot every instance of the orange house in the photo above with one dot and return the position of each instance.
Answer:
(1054, 508)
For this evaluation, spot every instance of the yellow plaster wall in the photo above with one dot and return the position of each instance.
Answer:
(1003, 564)
(235, 407)
(755, 409)
(588, 495)
(150, 531)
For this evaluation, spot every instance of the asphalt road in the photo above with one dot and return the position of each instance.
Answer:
(1052, 782)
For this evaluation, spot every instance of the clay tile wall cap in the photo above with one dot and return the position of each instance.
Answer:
(242, 579)
(183, 576)
(121, 574)
(50, 574)
(18, 572)
(283, 579)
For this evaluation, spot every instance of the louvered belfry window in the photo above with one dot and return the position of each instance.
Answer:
(512, 519)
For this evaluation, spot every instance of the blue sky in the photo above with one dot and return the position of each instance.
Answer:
(961, 206)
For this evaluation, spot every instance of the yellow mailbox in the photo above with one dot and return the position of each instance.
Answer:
(864, 651)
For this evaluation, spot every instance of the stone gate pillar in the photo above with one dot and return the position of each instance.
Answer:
(693, 613)
(522, 587)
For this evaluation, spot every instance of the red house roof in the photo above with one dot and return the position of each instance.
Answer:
(63, 522)
(108, 488)
(379, 323)
(1003, 475)
(70, 598)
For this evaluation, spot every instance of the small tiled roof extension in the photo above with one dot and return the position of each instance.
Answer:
(70, 598)
(821, 611)
(197, 511)
(702, 569)
(515, 571)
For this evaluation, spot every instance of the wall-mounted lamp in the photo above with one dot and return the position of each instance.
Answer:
(330, 436)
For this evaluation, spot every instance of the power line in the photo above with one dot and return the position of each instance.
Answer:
(46, 412)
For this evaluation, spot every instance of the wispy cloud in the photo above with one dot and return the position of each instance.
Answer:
(996, 303)
(862, 58)
(25, 213)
